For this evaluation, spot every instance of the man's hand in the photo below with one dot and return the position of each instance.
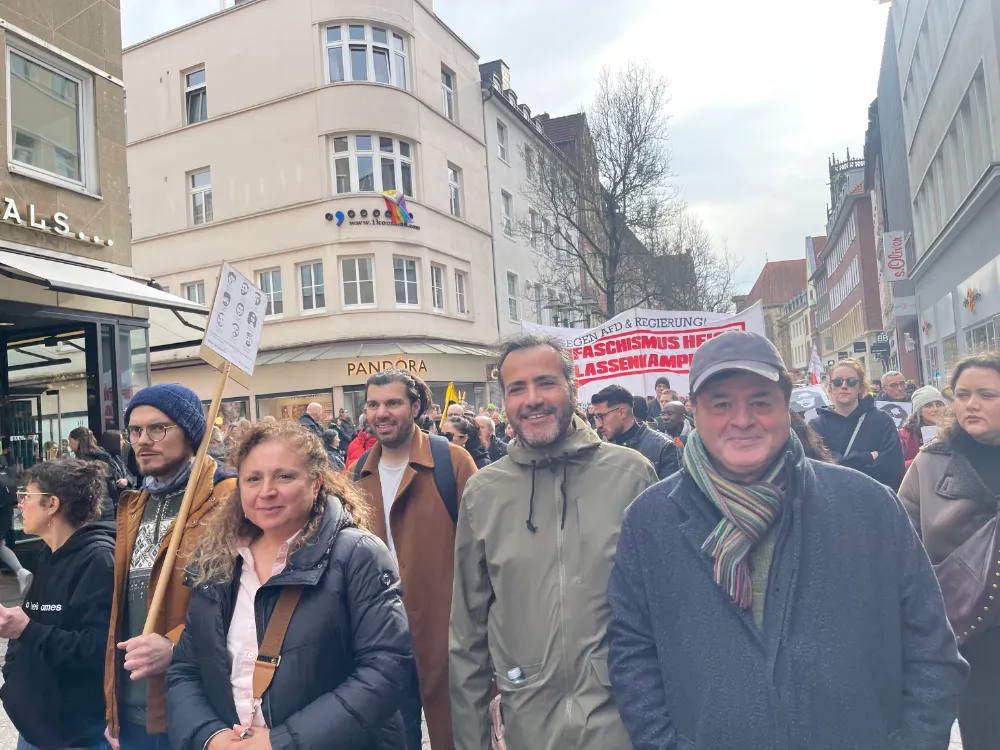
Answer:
(225, 740)
(111, 740)
(874, 455)
(13, 621)
(261, 739)
(123, 483)
(147, 655)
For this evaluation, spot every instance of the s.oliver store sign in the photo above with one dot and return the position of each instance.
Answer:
(894, 250)
(637, 347)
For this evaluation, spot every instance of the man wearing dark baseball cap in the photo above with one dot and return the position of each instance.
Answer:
(761, 599)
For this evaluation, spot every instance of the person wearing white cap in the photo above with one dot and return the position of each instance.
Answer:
(928, 409)
(761, 599)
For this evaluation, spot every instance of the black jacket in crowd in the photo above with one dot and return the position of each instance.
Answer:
(657, 447)
(116, 470)
(312, 425)
(53, 687)
(877, 433)
(498, 449)
(345, 660)
(481, 457)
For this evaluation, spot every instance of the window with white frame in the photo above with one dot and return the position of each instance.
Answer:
(51, 115)
(200, 187)
(368, 162)
(365, 52)
(437, 287)
(461, 282)
(502, 139)
(270, 283)
(529, 162)
(507, 208)
(311, 286)
(513, 297)
(404, 271)
(195, 292)
(447, 93)
(454, 191)
(357, 277)
(196, 96)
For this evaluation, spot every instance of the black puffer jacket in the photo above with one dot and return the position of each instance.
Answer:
(660, 450)
(878, 433)
(345, 658)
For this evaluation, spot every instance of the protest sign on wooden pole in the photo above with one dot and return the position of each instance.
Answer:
(232, 337)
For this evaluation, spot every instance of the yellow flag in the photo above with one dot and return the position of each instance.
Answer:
(450, 397)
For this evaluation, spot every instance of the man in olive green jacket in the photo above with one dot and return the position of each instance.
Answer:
(535, 543)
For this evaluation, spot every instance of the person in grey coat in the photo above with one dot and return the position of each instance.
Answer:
(617, 421)
(760, 599)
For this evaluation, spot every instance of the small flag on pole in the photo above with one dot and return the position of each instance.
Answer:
(815, 366)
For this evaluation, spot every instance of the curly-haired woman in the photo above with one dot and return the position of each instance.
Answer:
(292, 525)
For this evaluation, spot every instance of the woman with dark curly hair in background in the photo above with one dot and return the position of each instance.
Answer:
(465, 432)
(53, 687)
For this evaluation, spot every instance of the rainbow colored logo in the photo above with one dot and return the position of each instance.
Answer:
(395, 207)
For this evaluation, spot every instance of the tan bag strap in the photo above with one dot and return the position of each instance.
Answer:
(269, 653)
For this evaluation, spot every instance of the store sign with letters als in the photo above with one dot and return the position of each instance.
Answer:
(58, 224)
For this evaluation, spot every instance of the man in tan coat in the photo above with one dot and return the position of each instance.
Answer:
(413, 503)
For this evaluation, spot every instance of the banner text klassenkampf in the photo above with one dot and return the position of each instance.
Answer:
(638, 346)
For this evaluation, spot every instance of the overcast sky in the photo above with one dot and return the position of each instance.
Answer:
(762, 92)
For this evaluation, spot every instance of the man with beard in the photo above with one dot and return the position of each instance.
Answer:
(534, 549)
(413, 482)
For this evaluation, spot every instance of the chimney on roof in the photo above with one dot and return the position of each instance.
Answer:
(543, 117)
(496, 69)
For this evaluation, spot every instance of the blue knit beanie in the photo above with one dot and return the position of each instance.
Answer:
(181, 404)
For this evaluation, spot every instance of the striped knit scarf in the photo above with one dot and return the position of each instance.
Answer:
(748, 510)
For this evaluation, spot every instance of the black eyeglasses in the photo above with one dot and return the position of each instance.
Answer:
(851, 382)
(601, 417)
(155, 432)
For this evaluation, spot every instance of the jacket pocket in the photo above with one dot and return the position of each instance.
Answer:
(529, 676)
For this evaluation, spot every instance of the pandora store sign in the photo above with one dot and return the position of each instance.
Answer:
(58, 223)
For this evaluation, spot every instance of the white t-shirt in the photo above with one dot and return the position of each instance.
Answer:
(390, 475)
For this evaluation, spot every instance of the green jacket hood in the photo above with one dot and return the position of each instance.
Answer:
(581, 439)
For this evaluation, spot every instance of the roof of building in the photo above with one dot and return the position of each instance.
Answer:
(565, 128)
(779, 281)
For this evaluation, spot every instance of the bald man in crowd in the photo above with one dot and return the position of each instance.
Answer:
(312, 418)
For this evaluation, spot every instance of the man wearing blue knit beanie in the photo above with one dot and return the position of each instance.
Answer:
(165, 425)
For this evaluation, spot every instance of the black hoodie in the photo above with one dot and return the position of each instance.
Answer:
(53, 687)
(877, 433)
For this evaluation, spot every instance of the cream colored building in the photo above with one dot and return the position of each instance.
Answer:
(273, 157)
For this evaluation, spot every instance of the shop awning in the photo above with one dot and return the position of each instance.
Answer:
(90, 281)
(369, 349)
(175, 329)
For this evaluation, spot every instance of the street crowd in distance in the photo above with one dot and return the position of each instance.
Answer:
(639, 571)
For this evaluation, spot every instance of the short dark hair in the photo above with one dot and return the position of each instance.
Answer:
(640, 409)
(784, 383)
(78, 484)
(614, 395)
(662, 381)
(470, 428)
(416, 389)
(534, 341)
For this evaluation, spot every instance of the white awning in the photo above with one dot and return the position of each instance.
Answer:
(175, 329)
(355, 350)
(90, 281)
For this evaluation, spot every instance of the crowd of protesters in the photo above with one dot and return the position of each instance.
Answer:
(636, 572)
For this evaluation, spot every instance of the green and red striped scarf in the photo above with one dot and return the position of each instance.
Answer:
(748, 510)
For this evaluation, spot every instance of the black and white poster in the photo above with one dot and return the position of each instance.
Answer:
(234, 326)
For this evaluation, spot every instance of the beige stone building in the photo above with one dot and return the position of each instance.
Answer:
(74, 315)
(275, 157)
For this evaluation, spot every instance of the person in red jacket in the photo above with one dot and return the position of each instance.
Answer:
(362, 442)
(928, 409)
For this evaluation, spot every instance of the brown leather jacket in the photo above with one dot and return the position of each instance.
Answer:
(207, 497)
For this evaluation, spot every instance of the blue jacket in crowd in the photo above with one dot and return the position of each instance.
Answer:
(855, 652)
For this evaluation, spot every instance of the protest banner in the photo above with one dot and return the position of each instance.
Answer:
(807, 401)
(232, 337)
(898, 410)
(638, 346)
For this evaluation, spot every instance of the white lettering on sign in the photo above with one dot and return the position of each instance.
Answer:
(57, 224)
(894, 250)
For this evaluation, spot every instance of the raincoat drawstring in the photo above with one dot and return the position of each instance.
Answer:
(531, 502)
(563, 488)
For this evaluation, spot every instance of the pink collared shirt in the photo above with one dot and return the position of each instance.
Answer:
(241, 641)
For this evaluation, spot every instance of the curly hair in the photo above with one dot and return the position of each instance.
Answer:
(78, 484)
(470, 429)
(213, 559)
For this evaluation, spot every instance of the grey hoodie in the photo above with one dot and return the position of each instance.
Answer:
(534, 547)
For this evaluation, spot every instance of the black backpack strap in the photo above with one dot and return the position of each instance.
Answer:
(444, 475)
(361, 464)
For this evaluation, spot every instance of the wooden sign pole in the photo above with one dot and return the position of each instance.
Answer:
(179, 523)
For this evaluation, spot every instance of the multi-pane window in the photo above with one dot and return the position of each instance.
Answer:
(447, 93)
(529, 162)
(371, 163)
(270, 283)
(200, 185)
(195, 292)
(363, 52)
(311, 284)
(461, 282)
(507, 208)
(196, 96)
(357, 281)
(437, 287)
(404, 272)
(50, 114)
(502, 139)
(513, 297)
(454, 191)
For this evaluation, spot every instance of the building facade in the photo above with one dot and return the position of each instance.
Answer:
(278, 162)
(949, 81)
(74, 315)
(780, 282)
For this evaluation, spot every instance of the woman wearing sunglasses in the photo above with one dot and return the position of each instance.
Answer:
(465, 432)
(859, 435)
